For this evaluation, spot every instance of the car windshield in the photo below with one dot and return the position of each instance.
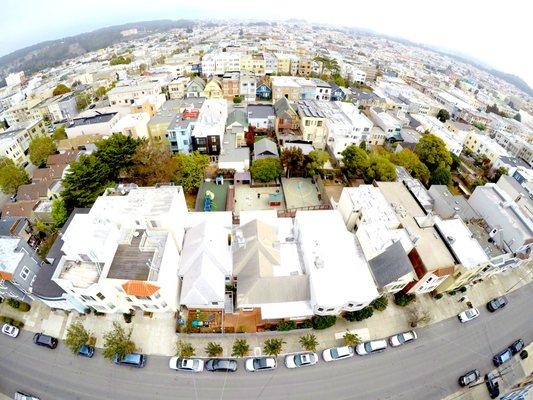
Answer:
(368, 347)
(334, 353)
(260, 363)
(401, 338)
(222, 364)
(132, 358)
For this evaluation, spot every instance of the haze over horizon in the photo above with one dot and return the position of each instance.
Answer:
(480, 30)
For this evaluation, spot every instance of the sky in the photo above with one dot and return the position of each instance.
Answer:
(494, 32)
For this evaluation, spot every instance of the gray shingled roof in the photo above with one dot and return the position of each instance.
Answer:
(265, 148)
(390, 265)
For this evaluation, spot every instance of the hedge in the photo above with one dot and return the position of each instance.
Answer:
(323, 321)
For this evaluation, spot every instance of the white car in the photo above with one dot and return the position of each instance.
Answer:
(186, 364)
(260, 364)
(301, 360)
(402, 338)
(10, 330)
(468, 315)
(370, 347)
(337, 353)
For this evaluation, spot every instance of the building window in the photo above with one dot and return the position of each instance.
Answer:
(319, 123)
(307, 122)
(129, 299)
(24, 273)
(164, 304)
(157, 295)
(110, 305)
(320, 309)
(100, 296)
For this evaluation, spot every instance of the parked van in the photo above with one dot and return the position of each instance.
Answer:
(133, 360)
(372, 346)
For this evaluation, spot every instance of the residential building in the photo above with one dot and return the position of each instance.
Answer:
(510, 228)
(263, 91)
(388, 123)
(126, 95)
(312, 123)
(134, 125)
(209, 130)
(265, 148)
(261, 116)
(178, 86)
(195, 87)
(15, 78)
(446, 205)
(99, 123)
(122, 256)
(521, 195)
(15, 141)
(213, 89)
(285, 86)
(233, 156)
(230, 85)
(248, 86)
(237, 123)
(484, 146)
(58, 108)
(179, 131)
(323, 89)
(453, 141)
(287, 118)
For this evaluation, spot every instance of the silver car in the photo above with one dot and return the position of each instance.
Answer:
(186, 364)
(337, 353)
(402, 338)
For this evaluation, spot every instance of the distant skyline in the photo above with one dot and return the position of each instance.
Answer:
(488, 31)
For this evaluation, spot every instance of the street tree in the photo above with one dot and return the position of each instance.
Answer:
(355, 161)
(184, 349)
(118, 341)
(241, 348)
(77, 336)
(213, 349)
(380, 304)
(315, 161)
(11, 176)
(59, 133)
(40, 148)
(418, 317)
(190, 170)
(153, 163)
(266, 169)
(309, 342)
(273, 347)
(351, 339)
(380, 169)
(292, 160)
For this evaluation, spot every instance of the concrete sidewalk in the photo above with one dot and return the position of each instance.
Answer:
(156, 334)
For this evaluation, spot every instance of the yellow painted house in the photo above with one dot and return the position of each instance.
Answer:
(213, 89)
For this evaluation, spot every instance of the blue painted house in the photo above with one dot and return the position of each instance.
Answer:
(337, 93)
(263, 91)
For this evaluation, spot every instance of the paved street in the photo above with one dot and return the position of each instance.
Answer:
(427, 369)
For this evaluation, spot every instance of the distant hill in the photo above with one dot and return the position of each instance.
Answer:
(53, 52)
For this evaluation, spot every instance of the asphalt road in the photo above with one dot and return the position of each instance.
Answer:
(426, 369)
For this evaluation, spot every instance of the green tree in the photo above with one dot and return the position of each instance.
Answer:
(380, 304)
(190, 170)
(77, 336)
(498, 174)
(266, 169)
(116, 152)
(87, 178)
(82, 101)
(237, 99)
(11, 176)
(59, 212)
(443, 115)
(432, 151)
(518, 117)
(118, 341)
(292, 160)
(213, 349)
(240, 348)
(410, 161)
(61, 89)
(59, 133)
(184, 349)
(441, 176)
(362, 145)
(308, 342)
(355, 161)
(315, 161)
(479, 125)
(380, 169)
(40, 148)
(477, 182)
(351, 339)
(153, 163)
(273, 347)
(120, 60)
(143, 67)
(101, 91)
(456, 162)
(358, 315)
(403, 299)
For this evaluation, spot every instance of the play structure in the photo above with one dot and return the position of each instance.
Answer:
(208, 201)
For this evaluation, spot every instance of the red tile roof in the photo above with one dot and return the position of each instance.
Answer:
(139, 288)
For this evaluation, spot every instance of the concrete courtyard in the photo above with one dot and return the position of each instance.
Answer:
(300, 193)
(248, 198)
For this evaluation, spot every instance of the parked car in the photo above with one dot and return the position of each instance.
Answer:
(468, 315)
(301, 360)
(517, 346)
(40, 339)
(221, 365)
(492, 386)
(10, 330)
(502, 357)
(469, 377)
(372, 346)
(136, 360)
(337, 353)
(86, 351)
(24, 396)
(496, 304)
(186, 364)
(402, 338)
(254, 364)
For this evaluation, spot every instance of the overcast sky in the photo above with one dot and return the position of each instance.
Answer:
(494, 32)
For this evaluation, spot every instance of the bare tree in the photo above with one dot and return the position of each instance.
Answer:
(418, 317)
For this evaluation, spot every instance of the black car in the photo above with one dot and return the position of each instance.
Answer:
(496, 304)
(492, 386)
(517, 347)
(41, 339)
(221, 365)
(502, 357)
(469, 377)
